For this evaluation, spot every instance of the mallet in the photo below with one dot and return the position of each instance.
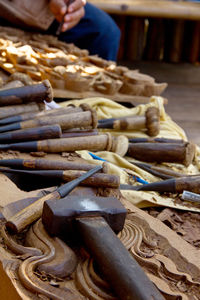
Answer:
(151, 121)
(29, 93)
(96, 219)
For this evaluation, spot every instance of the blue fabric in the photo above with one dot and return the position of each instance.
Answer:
(96, 32)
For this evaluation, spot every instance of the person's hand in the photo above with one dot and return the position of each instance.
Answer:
(70, 14)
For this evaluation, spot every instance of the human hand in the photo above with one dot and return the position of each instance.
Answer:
(68, 12)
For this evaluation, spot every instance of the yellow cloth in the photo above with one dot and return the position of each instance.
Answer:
(120, 166)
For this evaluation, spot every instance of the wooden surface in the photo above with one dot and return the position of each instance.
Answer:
(151, 8)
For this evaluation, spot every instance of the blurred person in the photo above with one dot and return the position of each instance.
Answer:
(83, 24)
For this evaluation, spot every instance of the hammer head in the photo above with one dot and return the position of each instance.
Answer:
(60, 216)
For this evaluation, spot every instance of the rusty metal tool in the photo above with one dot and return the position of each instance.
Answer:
(31, 213)
(29, 93)
(97, 219)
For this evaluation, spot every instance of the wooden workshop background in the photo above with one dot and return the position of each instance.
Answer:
(156, 30)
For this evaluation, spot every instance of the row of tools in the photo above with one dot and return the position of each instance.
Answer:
(25, 126)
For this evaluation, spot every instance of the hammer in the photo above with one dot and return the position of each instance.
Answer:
(96, 219)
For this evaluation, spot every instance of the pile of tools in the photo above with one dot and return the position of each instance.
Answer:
(26, 126)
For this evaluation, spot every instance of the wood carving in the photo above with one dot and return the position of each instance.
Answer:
(31, 58)
(49, 267)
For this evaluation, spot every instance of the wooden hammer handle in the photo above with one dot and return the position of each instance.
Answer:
(120, 268)
(31, 213)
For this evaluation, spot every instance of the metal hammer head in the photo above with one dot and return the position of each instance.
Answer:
(59, 216)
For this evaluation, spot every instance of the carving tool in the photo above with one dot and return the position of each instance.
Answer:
(58, 32)
(66, 121)
(101, 142)
(29, 93)
(151, 122)
(96, 180)
(47, 164)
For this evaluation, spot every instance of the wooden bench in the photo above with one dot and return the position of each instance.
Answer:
(156, 29)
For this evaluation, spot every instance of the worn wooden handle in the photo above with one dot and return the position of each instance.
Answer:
(163, 152)
(13, 110)
(31, 134)
(104, 142)
(30, 93)
(29, 214)
(97, 180)
(120, 269)
(150, 122)
(66, 121)
(48, 164)
(189, 183)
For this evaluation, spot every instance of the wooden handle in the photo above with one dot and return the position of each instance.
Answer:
(34, 211)
(189, 183)
(104, 142)
(79, 133)
(120, 268)
(47, 164)
(155, 140)
(13, 110)
(163, 152)
(30, 93)
(92, 143)
(73, 120)
(29, 214)
(97, 180)
(33, 115)
(18, 118)
(130, 123)
(150, 122)
(31, 134)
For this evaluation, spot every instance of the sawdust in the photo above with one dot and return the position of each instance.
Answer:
(185, 224)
